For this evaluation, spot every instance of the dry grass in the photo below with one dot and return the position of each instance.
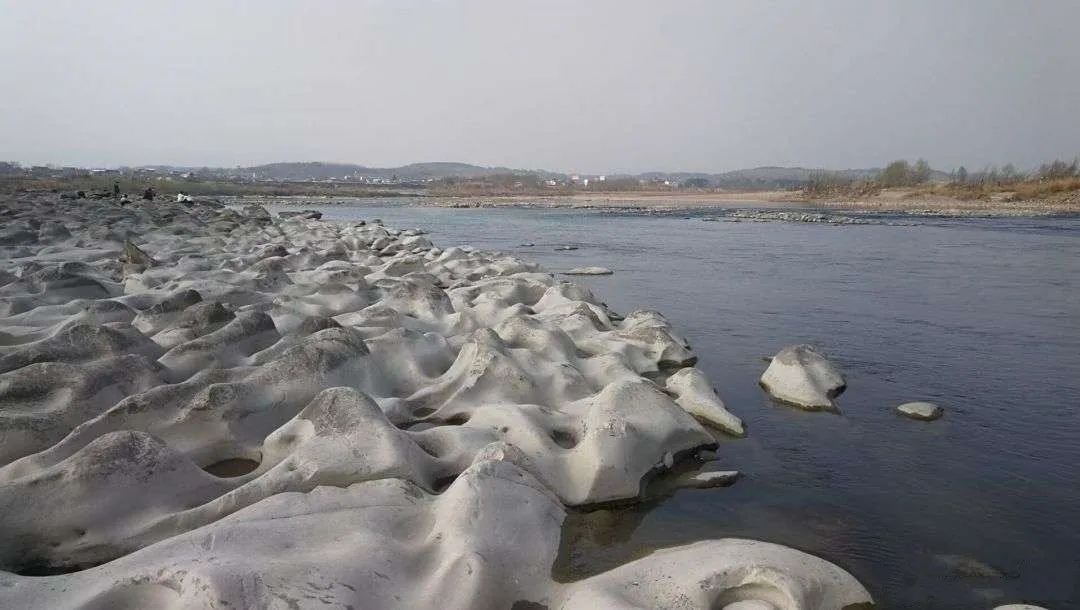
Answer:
(1028, 190)
(1044, 188)
(841, 189)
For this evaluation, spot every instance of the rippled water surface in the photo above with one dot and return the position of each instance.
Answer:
(979, 315)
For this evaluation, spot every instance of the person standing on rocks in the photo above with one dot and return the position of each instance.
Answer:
(116, 189)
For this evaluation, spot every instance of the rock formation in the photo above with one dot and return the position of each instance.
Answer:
(802, 376)
(250, 411)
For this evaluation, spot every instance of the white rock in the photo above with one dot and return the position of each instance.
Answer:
(264, 417)
(802, 376)
(705, 480)
(697, 397)
(488, 541)
(737, 571)
(589, 271)
(750, 604)
(925, 411)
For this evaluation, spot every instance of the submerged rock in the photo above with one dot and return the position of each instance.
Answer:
(802, 376)
(925, 411)
(969, 567)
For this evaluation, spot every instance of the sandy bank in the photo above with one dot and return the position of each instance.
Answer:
(890, 200)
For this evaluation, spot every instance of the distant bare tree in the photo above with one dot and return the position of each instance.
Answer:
(920, 173)
(1059, 169)
(1009, 174)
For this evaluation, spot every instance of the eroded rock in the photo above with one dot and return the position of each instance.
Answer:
(284, 411)
(802, 376)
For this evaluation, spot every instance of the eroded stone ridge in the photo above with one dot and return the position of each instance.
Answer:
(202, 406)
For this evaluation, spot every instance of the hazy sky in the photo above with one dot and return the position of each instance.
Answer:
(571, 86)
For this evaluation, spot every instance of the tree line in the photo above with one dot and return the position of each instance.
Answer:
(901, 173)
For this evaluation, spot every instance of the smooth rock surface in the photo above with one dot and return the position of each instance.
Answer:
(693, 393)
(802, 376)
(280, 412)
(705, 480)
(925, 411)
(487, 541)
(589, 271)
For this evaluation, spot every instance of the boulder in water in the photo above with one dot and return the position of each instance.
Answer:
(802, 376)
(924, 411)
(589, 271)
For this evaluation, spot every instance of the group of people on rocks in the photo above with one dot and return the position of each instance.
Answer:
(147, 195)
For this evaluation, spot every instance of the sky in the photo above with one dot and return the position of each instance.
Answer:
(599, 86)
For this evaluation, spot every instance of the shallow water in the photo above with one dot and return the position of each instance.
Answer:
(979, 315)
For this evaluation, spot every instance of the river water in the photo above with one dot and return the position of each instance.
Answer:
(979, 315)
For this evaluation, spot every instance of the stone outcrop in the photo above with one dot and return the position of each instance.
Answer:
(286, 412)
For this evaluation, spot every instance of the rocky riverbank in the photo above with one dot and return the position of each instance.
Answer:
(209, 407)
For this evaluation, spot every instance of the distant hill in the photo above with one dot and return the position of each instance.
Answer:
(767, 177)
(412, 171)
(449, 169)
(761, 177)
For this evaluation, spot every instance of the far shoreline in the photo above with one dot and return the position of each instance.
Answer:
(917, 201)
(889, 202)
